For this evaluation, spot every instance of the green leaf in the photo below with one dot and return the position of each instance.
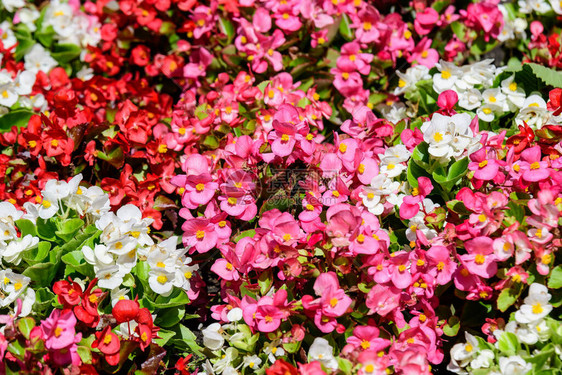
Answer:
(18, 118)
(421, 154)
(25, 325)
(414, 172)
(41, 273)
(66, 52)
(46, 229)
(38, 253)
(69, 228)
(458, 29)
(43, 299)
(177, 298)
(85, 354)
(76, 260)
(226, 28)
(185, 339)
(211, 142)
(246, 233)
(26, 227)
(345, 29)
(458, 169)
(555, 279)
(549, 76)
(508, 297)
(452, 327)
(165, 336)
(169, 317)
(45, 36)
(508, 343)
(344, 365)
(265, 281)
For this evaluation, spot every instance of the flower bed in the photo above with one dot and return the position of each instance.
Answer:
(280, 187)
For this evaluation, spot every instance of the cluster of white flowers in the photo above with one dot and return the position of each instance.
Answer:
(13, 285)
(529, 327)
(72, 25)
(539, 6)
(449, 136)
(69, 23)
(124, 241)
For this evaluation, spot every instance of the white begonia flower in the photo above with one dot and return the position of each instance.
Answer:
(407, 81)
(418, 223)
(487, 112)
(13, 253)
(99, 256)
(507, 32)
(85, 74)
(391, 169)
(535, 306)
(372, 201)
(384, 185)
(523, 333)
(447, 136)
(161, 260)
(8, 95)
(110, 277)
(533, 112)
(273, 350)
(514, 365)
(251, 361)
(118, 294)
(463, 353)
(556, 6)
(12, 5)
(7, 35)
(160, 281)
(12, 285)
(23, 84)
(448, 75)
(529, 6)
(31, 211)
(514, 93)
(478, 73)
(27, 302)
(394, 112)
(230, 354)
(495, 97)
(322, 351)
(212, 337)
(234, 315)
(98, 202)
(39, 59)
(48, 207)
(484, 359)
(470, 99)
(28, 16)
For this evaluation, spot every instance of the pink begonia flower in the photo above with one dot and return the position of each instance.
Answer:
(365, 338)
(423, 336)
(285, 134)
(412, 360)
(372, 363)
(364, 243)
(423, 54)
(544, 207)
(268, 318)
(59, 329)
(480, 259)
(425, 21)
(533, 168)
(314, 367)
(485, 16)
(383, 299)
(282, 90)
(352, 58)
(286, 17)
(205, 19)
(484, 168)
(399, 270)
(411, 203)
(199, 233)
(448, 17)
(342, 220)
(311, 11)
(411, 138)
(347, 150)
(286, 230)
(446, 101)
(366, 25)
(346, 81)
(442, 267)
(453, 48)
(199, 61)
(262, 20)
(200, 189)
(318, 38)
(366, 170)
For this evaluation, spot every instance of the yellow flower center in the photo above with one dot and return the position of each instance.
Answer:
(162, 279)
(479, 259)
(200, 234)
